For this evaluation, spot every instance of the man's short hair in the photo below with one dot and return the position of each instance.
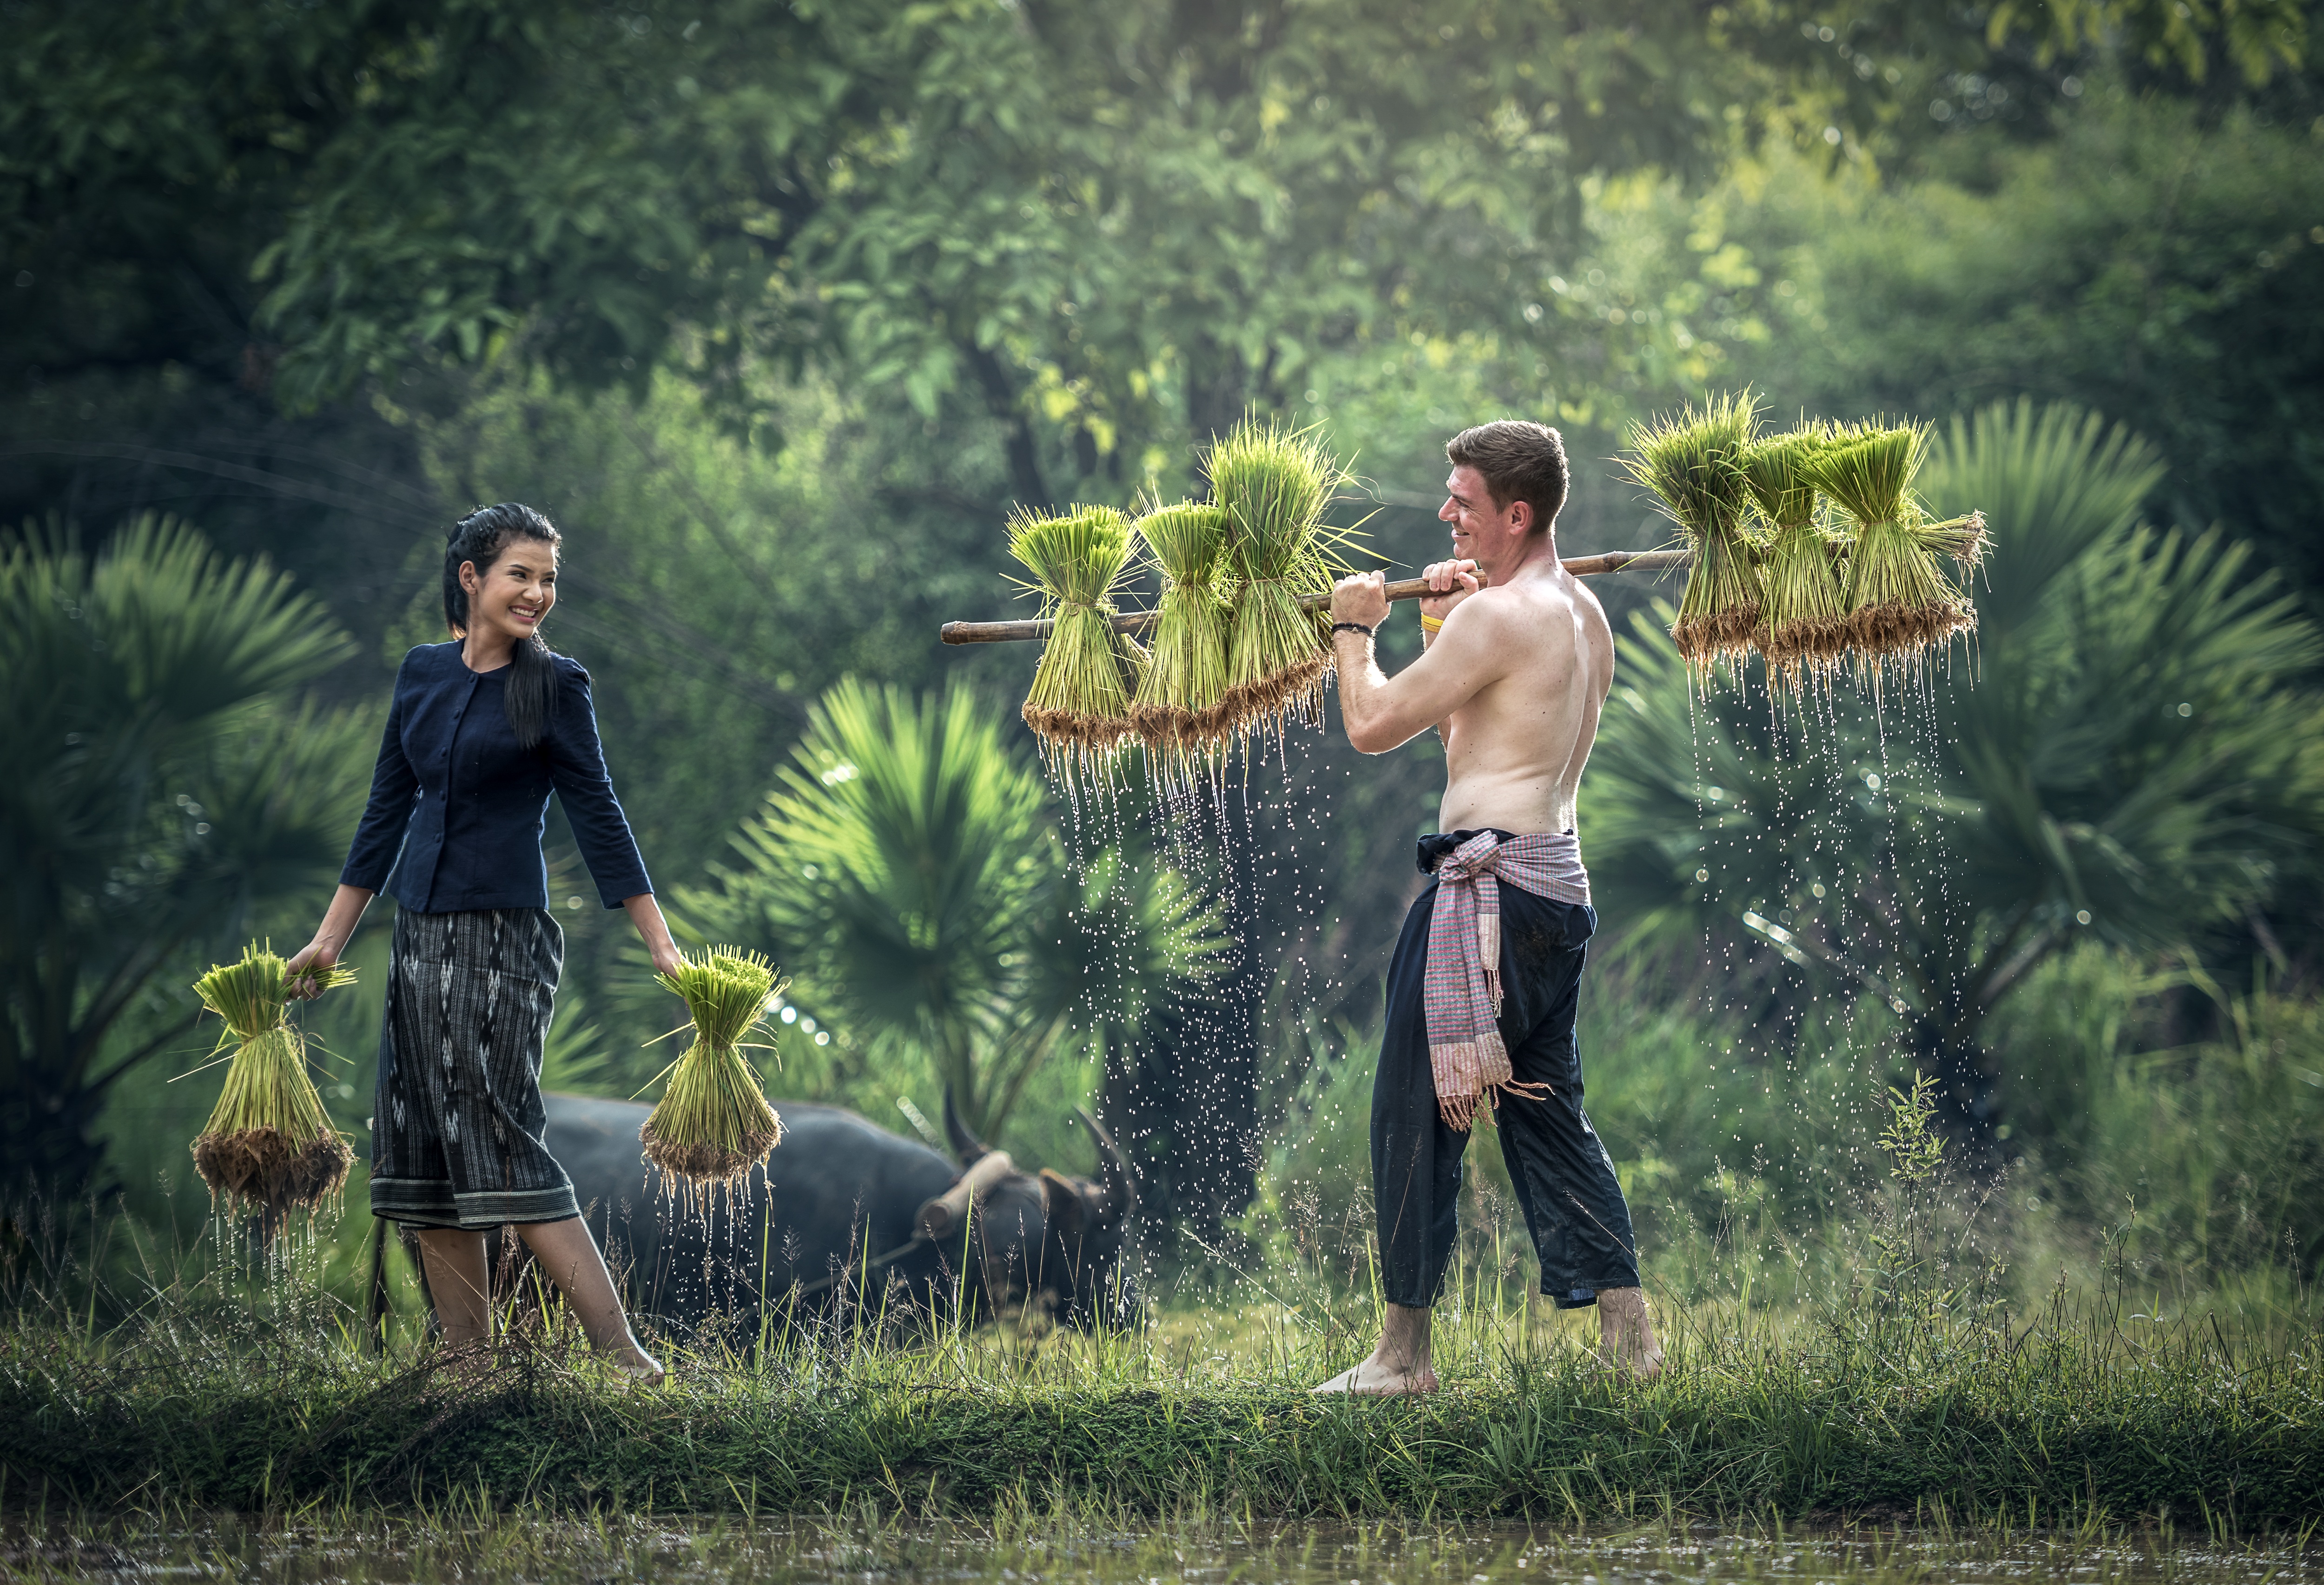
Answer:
(1521, 461)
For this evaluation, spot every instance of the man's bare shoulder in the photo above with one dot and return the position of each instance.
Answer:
(1593, 615)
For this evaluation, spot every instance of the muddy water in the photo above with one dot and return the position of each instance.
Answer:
(558, 1549)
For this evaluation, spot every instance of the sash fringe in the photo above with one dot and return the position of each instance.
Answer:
(1462, 993)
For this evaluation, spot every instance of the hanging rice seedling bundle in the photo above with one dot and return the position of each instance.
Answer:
(713, 1123)
(1964, 538)
(1802, 629)
(269, 1144)
(1695, 463)
(1079, 706)
(1180, 708)
(1897, 602)
(1272, 485)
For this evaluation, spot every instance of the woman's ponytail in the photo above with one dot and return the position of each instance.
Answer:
(480, 538)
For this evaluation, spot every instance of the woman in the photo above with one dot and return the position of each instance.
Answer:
(481, 730)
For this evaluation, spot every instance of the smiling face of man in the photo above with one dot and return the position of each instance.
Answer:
(1484, 530)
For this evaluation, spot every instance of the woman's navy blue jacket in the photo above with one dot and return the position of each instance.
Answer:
(456, 806)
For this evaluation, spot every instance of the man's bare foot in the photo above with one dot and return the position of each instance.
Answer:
(1626, 1334)
(1399, 1366)
(1373, 1380)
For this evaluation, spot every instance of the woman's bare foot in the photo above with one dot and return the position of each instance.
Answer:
(635, 1363)
(1626, 1334)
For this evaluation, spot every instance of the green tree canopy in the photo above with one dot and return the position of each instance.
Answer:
(162, 788)
(1112, 232)
(2128, 751)
(906, 873)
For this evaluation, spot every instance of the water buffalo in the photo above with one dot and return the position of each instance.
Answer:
(848, 1215)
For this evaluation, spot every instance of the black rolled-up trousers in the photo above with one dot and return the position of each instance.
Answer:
(1564, 1180)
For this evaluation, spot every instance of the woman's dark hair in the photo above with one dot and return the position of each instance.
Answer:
(482, 537)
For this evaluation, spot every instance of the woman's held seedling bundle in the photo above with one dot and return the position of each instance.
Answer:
(269, 1146)
(713, 1123)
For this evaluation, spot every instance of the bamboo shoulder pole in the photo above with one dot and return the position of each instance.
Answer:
(1137, 621)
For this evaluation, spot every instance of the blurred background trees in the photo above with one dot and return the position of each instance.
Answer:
(777, 310)
(166, 788)
(2129, 750)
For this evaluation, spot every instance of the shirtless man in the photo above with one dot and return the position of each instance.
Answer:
(1482, 991)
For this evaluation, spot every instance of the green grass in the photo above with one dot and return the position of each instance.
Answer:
(1906, 1356)
(227, 1391)
(2014, 1342)
(459, 1540)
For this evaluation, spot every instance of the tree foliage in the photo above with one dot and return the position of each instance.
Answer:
(1112, 232)
(2129, 752)
(905, 870)
(163, 786)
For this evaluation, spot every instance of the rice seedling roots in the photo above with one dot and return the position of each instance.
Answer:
(707, 1163)
(267, 1170)
(1075, 728)
(1295, 692)
(1897, 629)
(1716, 634)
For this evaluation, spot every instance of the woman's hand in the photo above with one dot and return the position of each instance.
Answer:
(654, 931)
(331, 938)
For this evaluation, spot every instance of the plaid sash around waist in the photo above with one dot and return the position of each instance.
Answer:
(1463, 994)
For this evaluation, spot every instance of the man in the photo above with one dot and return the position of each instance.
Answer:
(1483, 989)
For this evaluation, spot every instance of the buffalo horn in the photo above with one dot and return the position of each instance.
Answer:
(1114, 1167)
(943, 1216)
(964, 1145)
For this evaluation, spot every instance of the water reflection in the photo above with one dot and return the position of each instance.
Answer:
(555, 1550)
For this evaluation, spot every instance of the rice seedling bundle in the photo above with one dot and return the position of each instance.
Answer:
(1180, 708)
(1079, 704)
(713, 1123)
(1802, 629)
(1695, 463)
(269, 1144)
(1897, 602)
(1272, 485)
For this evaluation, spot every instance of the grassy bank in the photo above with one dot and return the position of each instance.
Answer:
(1901, 1372)
(2073, 1413)
(538, 1547)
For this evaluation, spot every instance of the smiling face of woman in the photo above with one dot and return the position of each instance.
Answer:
(508, 601)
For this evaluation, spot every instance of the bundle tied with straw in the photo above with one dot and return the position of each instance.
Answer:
(1694, 464)
(713, 1123)
(1180, 708)
(1897, 603)
(269, 1144)
(1079, 705)
(1272, 485)
(1803, 627)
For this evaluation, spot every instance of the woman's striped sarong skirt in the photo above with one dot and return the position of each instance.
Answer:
(457, 1134)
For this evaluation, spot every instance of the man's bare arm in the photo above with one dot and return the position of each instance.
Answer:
(1382, 712)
